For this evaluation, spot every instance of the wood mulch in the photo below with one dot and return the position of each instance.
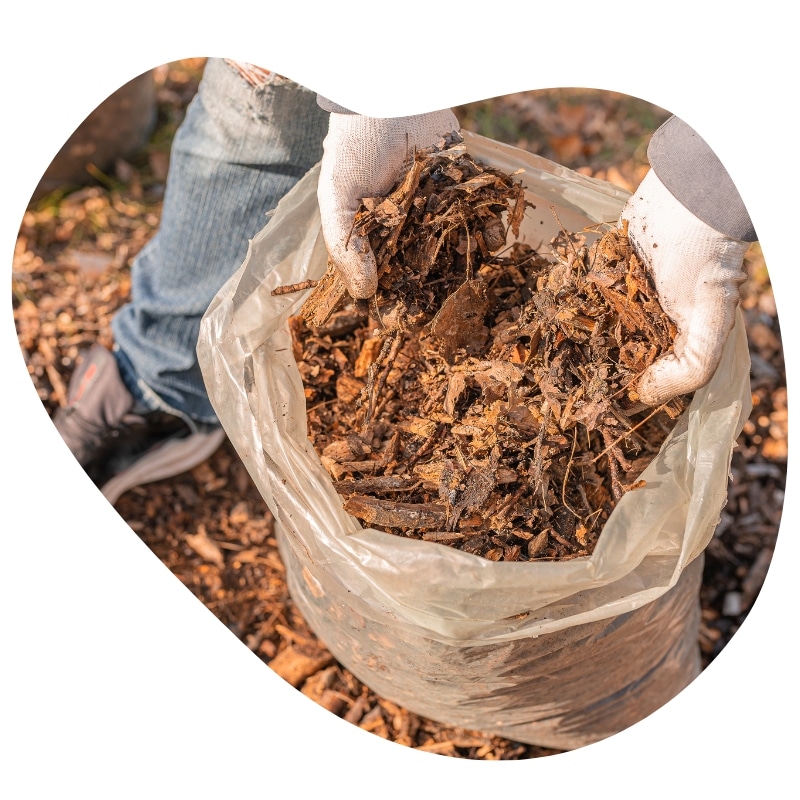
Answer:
(484, 397)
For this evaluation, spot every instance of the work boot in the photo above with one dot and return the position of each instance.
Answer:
(119, 443)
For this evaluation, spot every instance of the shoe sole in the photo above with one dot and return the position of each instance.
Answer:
(169, 459)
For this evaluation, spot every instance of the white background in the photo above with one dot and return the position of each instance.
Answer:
(116, 681)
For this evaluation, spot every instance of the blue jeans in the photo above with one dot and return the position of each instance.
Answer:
(239, 149)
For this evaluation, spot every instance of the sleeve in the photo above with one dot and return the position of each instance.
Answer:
(694, 175)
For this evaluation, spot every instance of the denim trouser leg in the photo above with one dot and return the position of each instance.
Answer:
(238, 151)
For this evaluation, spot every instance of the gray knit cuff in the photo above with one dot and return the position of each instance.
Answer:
(694, 175)
(328, 105)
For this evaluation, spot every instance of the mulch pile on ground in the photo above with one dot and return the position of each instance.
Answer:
(485, 397)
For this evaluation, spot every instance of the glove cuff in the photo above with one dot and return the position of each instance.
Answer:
(329, 105)
(693, 174)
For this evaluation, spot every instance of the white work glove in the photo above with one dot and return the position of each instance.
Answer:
(697, 273)
(363, 157)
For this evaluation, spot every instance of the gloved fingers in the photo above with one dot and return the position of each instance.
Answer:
(671, 376)
(364, 157)
(351, 254)
(696, 354)
(354, 260)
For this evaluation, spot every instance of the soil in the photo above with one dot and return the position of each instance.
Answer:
(211, 527)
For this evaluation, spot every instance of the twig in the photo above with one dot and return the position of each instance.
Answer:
(566, 475)
(289, 288)
(629, 432)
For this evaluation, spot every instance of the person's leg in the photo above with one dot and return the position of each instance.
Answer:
(143, 414)
(238, 151)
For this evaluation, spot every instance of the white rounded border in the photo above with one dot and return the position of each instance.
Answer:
(116, 681)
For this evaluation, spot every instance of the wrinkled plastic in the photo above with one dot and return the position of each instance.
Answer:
(558, 654)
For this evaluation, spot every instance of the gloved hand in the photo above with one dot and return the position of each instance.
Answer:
(697, 273)
(363, 157)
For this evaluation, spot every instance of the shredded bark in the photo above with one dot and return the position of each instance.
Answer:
(485, 396)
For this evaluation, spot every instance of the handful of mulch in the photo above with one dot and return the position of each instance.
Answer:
(485, 397)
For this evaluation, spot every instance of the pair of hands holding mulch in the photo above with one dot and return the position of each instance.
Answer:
(457, 416)
(696, 270)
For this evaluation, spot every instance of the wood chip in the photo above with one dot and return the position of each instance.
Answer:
(294, 664)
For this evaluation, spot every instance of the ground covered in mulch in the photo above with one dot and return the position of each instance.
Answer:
(212, 528)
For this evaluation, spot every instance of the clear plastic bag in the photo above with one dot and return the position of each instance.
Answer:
(558, 654)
